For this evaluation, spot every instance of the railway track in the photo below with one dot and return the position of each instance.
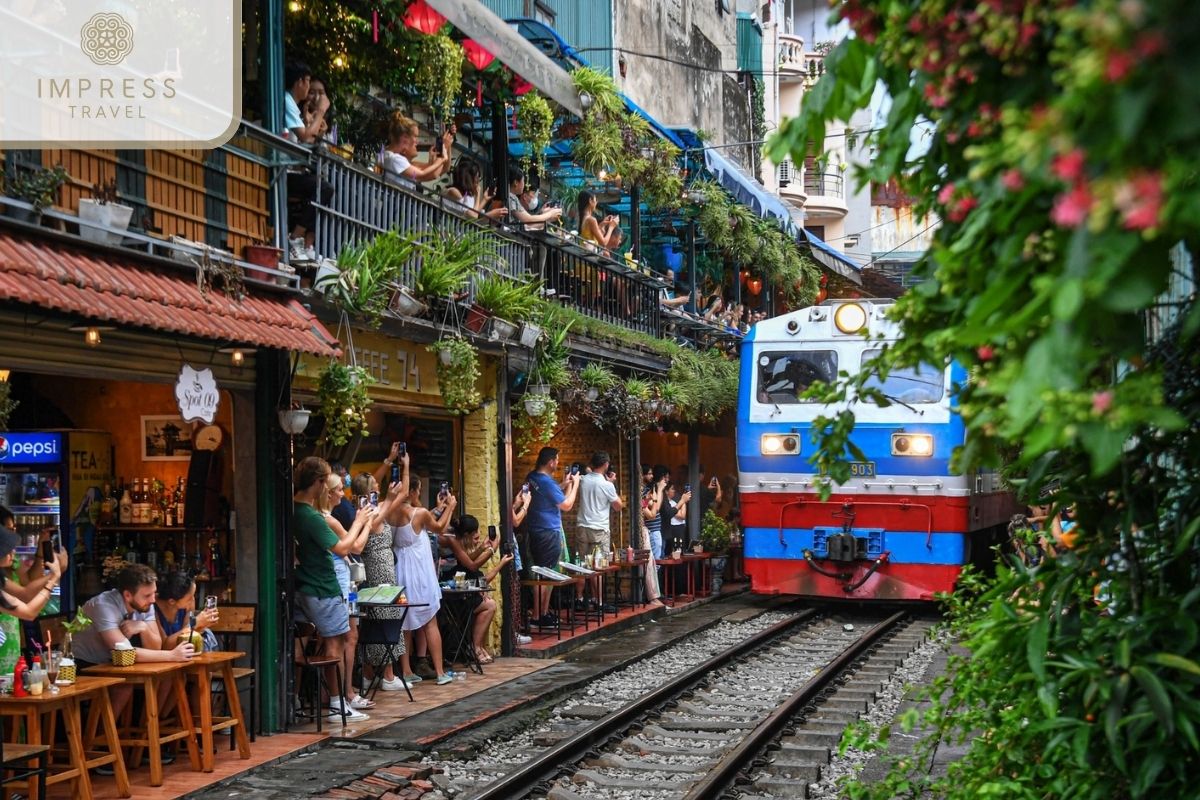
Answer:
(696, 734)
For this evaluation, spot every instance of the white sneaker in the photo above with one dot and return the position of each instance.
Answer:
(296, 249)
(523, 639)
(394, 685)
(361, 702)
(351, 715)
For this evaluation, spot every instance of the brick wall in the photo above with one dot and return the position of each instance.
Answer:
(576, 442)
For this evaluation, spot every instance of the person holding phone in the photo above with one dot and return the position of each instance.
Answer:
(598, 498)
(467, 190)
(548, 500)
(607, 234)
(473, 555)
(399, 158)
(27, 601)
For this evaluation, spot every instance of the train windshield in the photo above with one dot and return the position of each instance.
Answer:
(924, 384)
(783, 377)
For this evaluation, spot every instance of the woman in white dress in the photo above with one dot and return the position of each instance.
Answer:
(409, 525)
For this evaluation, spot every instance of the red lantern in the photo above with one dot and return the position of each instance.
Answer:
(821, 295)
(520, 86)
(422, 17)
(745, 276)
(754, 285)
(478, 57)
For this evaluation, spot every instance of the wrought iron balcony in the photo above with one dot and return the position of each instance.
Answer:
(823, 184)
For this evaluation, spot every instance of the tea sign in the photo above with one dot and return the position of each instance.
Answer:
(197, 395)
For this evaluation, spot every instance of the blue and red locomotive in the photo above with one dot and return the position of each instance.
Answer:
(904, 525)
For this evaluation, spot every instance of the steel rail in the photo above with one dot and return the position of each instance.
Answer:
(722, 775)
(525, 778)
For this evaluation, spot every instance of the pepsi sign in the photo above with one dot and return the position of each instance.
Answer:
(30, 448)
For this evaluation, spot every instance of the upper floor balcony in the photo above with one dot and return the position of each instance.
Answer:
(826, 193)
(796, 65)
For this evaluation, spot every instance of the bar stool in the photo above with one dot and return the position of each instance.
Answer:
(311, 666)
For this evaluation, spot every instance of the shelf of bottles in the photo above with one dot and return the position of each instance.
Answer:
(143, 523)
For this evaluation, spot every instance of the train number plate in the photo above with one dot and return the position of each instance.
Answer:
(862, 469)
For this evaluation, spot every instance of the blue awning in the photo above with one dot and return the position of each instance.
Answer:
(746, 190)
(832, 259)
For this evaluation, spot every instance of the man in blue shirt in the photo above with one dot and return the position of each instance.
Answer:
(547, 502)
(303, 185)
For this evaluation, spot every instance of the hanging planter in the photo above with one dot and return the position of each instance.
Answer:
(538, 390)
(535, 424)
(404, 303)
(535, 120)
(502, 329)
(458, 374)
(439, 73)
(342, 392)
(591, 394)
(294, 420)
(535, 405)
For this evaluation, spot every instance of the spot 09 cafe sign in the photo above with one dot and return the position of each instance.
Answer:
(119, 73)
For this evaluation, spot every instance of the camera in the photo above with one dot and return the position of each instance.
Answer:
(374, 498)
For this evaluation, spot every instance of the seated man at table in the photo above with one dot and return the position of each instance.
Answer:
(126, 614)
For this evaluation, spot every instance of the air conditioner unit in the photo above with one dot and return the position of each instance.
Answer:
(784, 173)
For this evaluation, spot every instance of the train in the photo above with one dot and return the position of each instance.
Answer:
(904, 524)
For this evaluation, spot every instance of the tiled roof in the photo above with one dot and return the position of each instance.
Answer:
(124, 291)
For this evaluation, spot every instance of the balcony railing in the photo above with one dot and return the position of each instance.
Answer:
(824, 184)
(597, 285)
(795, 62)
(364, 206)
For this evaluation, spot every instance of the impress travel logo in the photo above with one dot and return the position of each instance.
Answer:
(119, 73)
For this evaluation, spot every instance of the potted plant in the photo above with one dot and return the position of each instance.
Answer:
(458, 374)
(439, 71)
(506, 302)
(596, 378)
(39, 187)
(342, 392)
(447, 259)
(530, 334)
(101, 212)
(638, 390)
(7, 404)
(294, 420)
(714, 536)
(535, 424)
(262, 254)
(670, 395)
(535, 120)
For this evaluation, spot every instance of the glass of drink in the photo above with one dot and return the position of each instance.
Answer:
(53, 661)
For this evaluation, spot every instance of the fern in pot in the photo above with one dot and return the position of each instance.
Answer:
(596, 378)
(458, 374)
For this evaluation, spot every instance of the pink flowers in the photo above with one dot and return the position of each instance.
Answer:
(1069, 166)
(985, 352)
(1071, 208)
(1013, 180)
(957, 208)
(1140, 200)
(1102, 401)
(1119, 64)
(946, 194)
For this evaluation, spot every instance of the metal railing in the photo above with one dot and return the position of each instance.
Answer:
(824, 184)
(599, 286)
(363, 206)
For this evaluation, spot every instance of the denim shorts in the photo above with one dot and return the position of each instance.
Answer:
(656, 544)
(331, 615)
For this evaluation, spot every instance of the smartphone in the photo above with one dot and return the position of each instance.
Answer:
(363, 501)
(574, 469)
(396, 473)
(713, 483)
(524, 488)
(403, 448)
(374, 498)
(445, 488)
(56, 539)
(687, 487)
(47, 551)
(210, 602)
(492, 533)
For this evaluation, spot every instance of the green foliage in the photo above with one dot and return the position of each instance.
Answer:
(714, 215)
(507, 299)
(707, 382)
(367, 274)
(342, 392)
(1061, 163)
(458, 380)
(7, 404)
(637, 388)
(714, 533)
(535, 120)
(534, 431)
(606, 99)
(78, 623)
(439, 71)
(448, 258)
(597, 376)
(39, 186)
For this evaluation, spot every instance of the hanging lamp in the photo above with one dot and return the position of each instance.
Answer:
(423, 17)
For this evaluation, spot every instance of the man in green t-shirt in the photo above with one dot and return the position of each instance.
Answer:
(319, 597)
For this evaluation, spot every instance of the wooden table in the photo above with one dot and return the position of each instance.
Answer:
(68, 702)
(149, 675)
(202, 666)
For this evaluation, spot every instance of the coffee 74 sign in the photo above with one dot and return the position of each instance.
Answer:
(139, 73)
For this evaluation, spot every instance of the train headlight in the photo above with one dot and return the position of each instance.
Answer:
(919, 445)
(850, 318)
(775, 444)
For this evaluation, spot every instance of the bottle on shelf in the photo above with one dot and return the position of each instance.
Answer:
(125, 508)
(131, 554)
(216, 564)
(168, 556)
(156, 503)
(179, 504)
(106, 506)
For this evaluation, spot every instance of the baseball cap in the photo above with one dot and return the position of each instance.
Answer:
(8, 541)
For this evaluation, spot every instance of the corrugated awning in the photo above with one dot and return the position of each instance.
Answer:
(832, 259)
(124, 291)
